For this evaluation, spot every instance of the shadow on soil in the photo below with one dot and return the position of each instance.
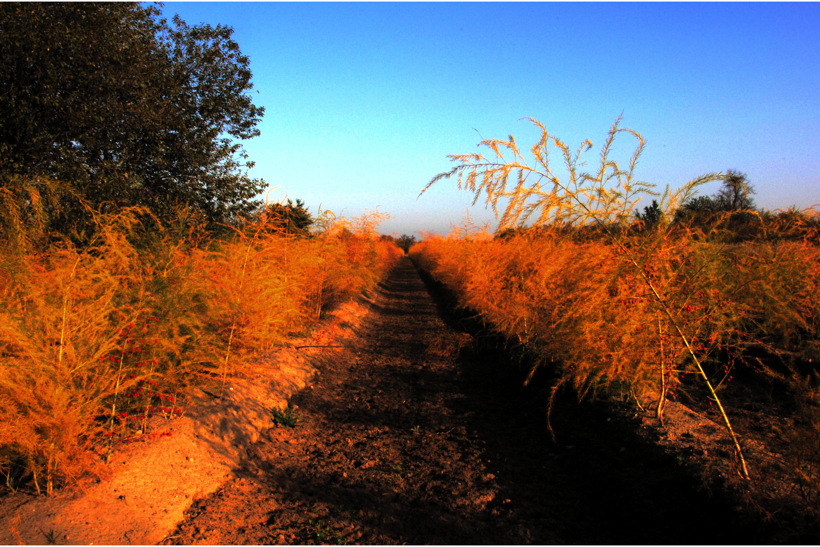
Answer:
(617, 487)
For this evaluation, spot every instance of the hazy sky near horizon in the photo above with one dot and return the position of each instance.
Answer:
(364, 101)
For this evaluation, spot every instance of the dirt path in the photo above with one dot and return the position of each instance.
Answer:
(409, 438)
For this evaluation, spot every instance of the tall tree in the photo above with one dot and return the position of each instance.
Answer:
(736, 193)
(112, 102)
(405, 242)
(651, 215)
(288, 217)
(735, 196)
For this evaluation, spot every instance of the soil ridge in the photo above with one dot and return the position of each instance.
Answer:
(151, 483)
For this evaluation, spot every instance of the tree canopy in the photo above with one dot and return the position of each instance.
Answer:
(405, 242)
(734, 196)
(736, 193)
(287, 217)
(110, 102)
(651, 215)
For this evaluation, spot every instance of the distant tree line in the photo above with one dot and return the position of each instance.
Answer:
(735, 196)
(730, 215)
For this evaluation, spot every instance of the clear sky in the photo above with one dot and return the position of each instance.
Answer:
(364, 101)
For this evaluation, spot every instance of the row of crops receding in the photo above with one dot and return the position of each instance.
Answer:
(688, 298)
(95, 337)
(586, 311)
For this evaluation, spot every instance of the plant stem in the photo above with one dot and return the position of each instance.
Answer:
(36, 482)
(65, 312)
(664, 386)
(227, 354)
(50, 471)
(114, 405)
(148, 404)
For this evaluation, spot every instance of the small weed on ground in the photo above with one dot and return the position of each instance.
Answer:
(325, 534)
(51, 537)
(287, 418)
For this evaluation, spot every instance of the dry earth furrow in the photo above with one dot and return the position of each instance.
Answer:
(407, 439)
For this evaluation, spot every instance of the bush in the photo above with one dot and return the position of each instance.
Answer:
(95, 339)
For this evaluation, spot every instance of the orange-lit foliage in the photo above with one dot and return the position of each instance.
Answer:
(580, 306)
(84, 330)
(663, 273)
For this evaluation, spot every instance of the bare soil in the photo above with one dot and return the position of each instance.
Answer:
(412, 434)
(413, 430)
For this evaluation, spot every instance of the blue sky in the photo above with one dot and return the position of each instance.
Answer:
(364, 101)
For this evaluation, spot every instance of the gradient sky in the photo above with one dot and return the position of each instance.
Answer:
(364, 101)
